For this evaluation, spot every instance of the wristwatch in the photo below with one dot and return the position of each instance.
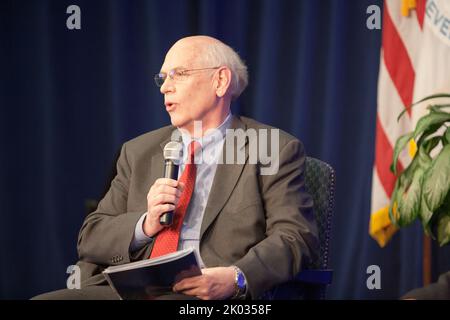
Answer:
(240, 284)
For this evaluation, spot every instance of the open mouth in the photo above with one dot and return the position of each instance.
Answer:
(169, 106)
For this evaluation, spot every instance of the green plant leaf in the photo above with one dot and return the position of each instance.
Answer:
(434, 96)
(394, 201)
(425, 126)
(408, 188)
(426, 216)
(443, 229)
(446, 139)
(431, 129)
(442, 221)
(410, 199)
(429, 145)
(437, 181)
(400, 144)
(423, 188)
(421, 160)
(438, 107)
(432, 119)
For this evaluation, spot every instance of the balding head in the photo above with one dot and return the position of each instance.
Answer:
(200, 76)
(205, 51)
(197, 41)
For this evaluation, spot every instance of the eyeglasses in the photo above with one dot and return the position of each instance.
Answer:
(176, 74)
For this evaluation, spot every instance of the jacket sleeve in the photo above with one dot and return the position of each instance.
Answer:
(439, 290)
(291, 233)
(106, 233)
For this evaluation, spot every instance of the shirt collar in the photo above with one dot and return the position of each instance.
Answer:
(208, 139)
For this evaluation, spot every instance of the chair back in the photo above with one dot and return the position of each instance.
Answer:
(320, 183)
(312, 282)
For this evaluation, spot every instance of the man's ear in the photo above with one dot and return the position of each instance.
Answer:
(223, 81)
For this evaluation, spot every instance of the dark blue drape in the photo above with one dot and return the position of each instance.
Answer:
(70, 98)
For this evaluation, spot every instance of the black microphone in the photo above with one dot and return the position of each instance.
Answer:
(173, 154)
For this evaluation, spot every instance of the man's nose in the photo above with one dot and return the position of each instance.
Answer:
(167, 86)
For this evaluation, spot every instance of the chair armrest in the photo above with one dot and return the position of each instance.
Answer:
(315, 276)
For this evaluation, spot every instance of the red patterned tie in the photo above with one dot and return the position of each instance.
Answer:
(167, 239)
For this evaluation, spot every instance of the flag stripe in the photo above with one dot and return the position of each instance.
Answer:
(389, 107)
(383, 156)
(408, 29)
(397, 61)
(420, 9)
(379, 196)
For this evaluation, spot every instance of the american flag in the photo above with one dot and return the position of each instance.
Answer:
(414, 63)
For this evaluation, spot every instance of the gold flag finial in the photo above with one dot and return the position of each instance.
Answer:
(408, 5)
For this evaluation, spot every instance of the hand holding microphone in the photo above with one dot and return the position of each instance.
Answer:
(173, 154)
(165, 192)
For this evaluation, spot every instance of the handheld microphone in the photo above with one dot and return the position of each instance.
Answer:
(173, 154)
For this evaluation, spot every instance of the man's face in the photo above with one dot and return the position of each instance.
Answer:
(193, 97)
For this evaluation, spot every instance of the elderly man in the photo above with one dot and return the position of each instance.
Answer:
(252, 230)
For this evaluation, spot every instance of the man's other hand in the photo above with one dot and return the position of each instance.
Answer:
(214, 284)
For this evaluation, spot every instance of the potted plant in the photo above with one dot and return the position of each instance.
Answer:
(422, 190)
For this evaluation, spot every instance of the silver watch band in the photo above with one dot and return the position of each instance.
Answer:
(240, 284)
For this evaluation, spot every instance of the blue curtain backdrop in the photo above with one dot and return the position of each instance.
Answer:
(70, 98)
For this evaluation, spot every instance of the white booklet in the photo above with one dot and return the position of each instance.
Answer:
(150, 278)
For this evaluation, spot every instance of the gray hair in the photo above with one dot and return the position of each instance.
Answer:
(219, 54)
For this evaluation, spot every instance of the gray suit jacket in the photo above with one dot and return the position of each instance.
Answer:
(439, 290)
(263, 224)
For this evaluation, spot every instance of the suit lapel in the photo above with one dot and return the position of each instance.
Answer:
(225, 179)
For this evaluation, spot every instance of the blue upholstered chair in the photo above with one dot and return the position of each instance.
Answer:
(312, 282)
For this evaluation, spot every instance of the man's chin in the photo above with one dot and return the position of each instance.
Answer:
(177, 122)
